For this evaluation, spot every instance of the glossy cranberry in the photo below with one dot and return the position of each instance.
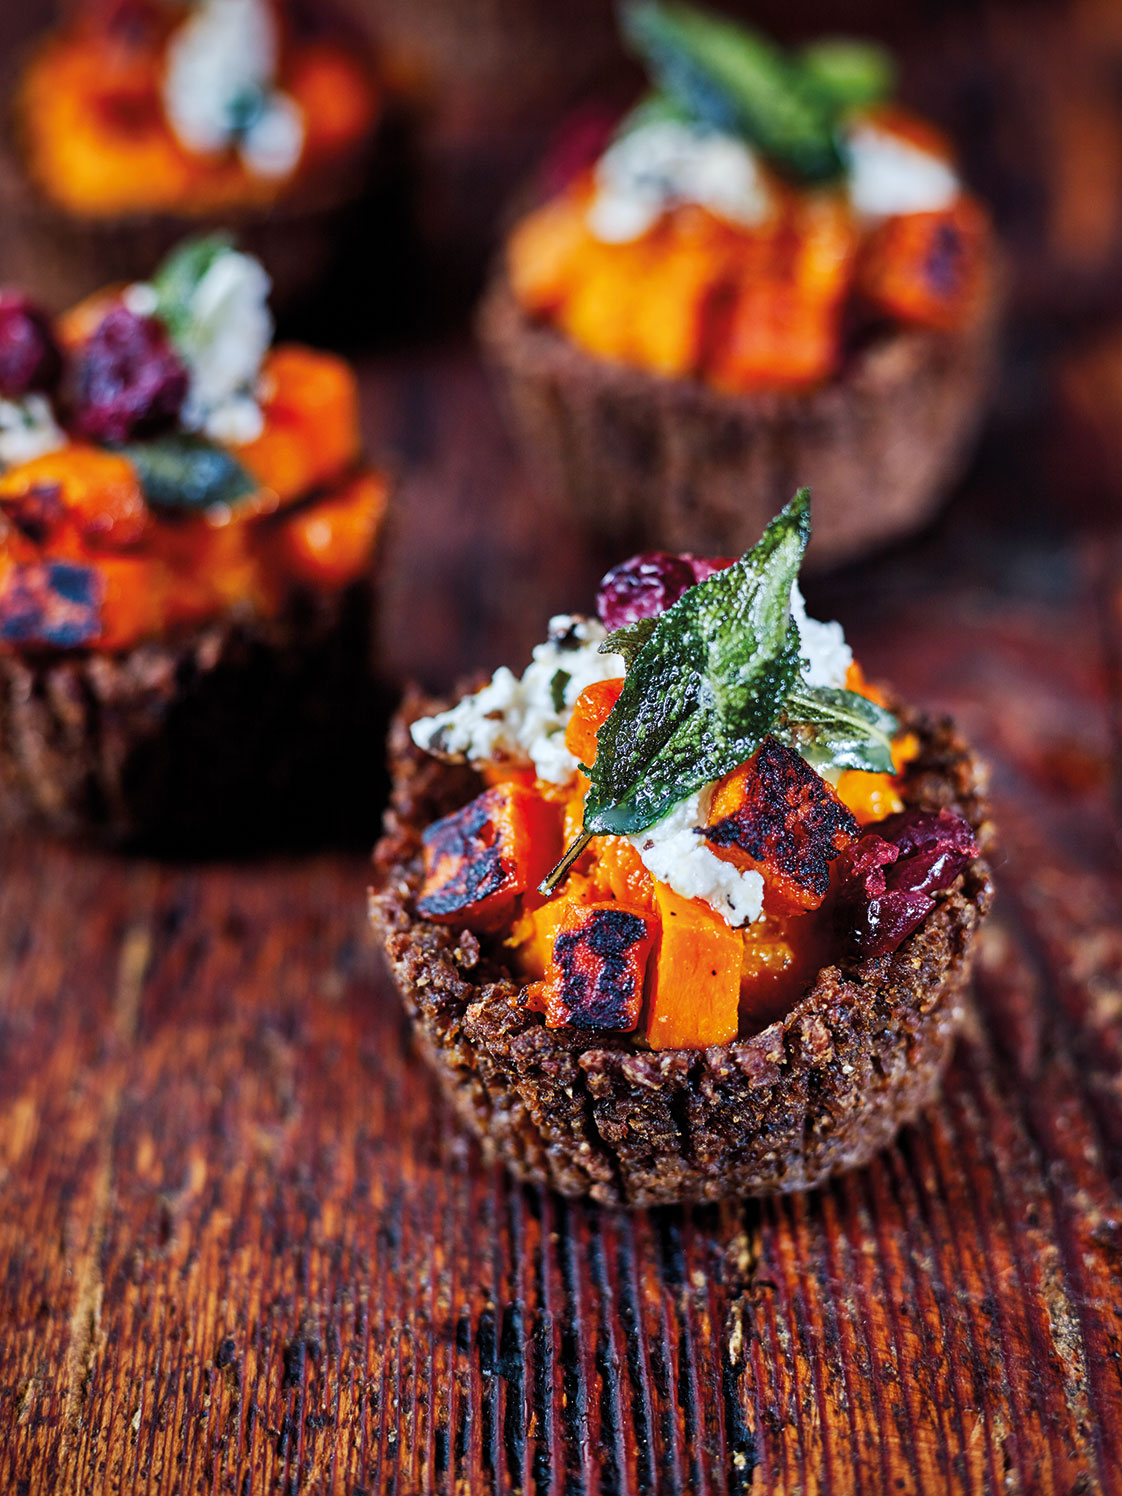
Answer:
(704, 566)
(642, 587)
(649, 583)
(29, 356)
(888, 878)
(128, 380)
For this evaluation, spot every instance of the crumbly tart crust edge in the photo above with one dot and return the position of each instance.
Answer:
(820, 1091)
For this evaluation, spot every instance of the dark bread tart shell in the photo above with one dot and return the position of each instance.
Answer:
(245, 732)
(822, 1090)
(648, 460)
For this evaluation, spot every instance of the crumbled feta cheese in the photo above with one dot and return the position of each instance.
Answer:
(673, 851)
(27, 430)
(518, 719)
(666, 162)
(223, 340)
(272, 145)
(888, 174)
(826, 655)
(141, 299)
(219, 86)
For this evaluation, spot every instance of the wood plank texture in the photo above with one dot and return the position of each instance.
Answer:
(244, 1248)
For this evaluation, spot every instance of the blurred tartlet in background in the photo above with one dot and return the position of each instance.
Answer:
(187, 536)
(768, 269)
(133, 121)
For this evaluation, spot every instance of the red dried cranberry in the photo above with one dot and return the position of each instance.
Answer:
(29, 356)
(705, 566)
(642, 587)
(649, 583)
(888, 878)
(129, 381)
(885, 923)
(925, 831)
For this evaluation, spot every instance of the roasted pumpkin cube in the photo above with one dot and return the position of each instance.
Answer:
(331, 542)
(100, 491)
(694, 996)
(775, 814)
(478, 860)
(927, 268)
(592, 709)
(595, 979)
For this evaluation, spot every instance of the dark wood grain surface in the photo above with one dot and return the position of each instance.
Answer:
(244, 1248)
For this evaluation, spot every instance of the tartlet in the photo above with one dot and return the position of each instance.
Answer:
(136, 122)
(770, 274)
(764, 1004)
(187, 539)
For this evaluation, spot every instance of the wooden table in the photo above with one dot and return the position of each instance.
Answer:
(244, 1248)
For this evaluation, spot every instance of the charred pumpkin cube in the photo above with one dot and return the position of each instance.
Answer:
(927, 267)
(775, 814)
(479, 859)
(51, 603)
(595, 979)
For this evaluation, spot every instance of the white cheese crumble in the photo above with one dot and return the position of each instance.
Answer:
(825, 654)
(666, 162)
(28, 430)
(517, 719)
(219, 86)
(888, 174)
(673, 852)
(223, 341)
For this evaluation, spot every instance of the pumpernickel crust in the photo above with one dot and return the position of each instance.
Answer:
(242, 733)
(822, 1090)
(649, 460)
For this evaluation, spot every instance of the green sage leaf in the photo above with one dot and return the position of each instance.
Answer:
(558, 681)
(180, 471)
(840, 728)
(178, 277)
(735, 79)
(706, 685)
(850, 74)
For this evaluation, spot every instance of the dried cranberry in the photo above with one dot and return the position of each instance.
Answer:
(705, 566)
(129, 381)
(648, 584)
(888, 878)
(926, 831)
(642, 587)
(29, 356)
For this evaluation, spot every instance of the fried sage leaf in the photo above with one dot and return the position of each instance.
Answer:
(188, 472)
(841, 728)
(736, 80)
(705, 686)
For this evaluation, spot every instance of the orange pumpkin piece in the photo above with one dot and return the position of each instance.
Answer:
(99, 490)
(545, 250)
(134, 597)
(775, 814)
(596, 975)
(590, 711)
(480, 858)
(336, 96)
(331, 542)
(927, 268)
(311, 435)
(620, 867)
(694, 996)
